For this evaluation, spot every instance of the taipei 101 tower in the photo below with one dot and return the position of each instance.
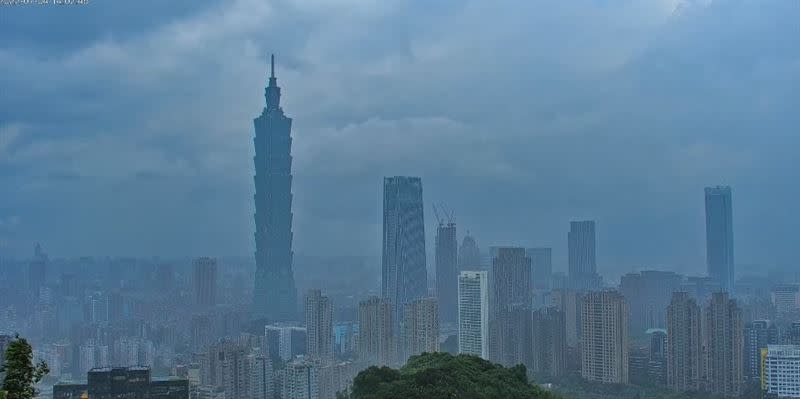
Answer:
(274, 294)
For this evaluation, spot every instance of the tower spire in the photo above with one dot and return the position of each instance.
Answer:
(272, 93)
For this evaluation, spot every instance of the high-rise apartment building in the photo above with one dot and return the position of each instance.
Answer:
(511, 296)
(758, 334)
(376, 342)
(582, 255)
(227, 367)
(723, 329)
(319, 327)
(569, 302)
(648, 294)
(404, 274)
(541, 267)
(685, 361)
(719, 235)
(420, 329)
(604, 346)
(549, 341)
(473, 313)
(301, 380)
(700, 288)
(201, 332)
(285, 341)
(447, 271)
(261, 377)
(786, 299)
(93, 355)
(205, 281)
(791, 334)
(337, 377)
(274, 294)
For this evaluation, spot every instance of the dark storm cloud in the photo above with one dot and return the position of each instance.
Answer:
(518, 115)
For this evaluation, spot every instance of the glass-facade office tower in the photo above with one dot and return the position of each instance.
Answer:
(582, 255)
(275, 295)
(205, 281)
(473, 313)
(719, 235)
(404, 276)
(542, 267)
(447, 271)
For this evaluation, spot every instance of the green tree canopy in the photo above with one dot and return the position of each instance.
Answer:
(21, 374)
(444, 376)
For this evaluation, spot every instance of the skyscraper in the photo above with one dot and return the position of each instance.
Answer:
(685, 365)
(469, 255)
(319, 327)
(582, 255)
(473, 313)
(542, 267)
(420, 327)
(549, 341)
(404, 274)
(719, 235)
(604, 350)
(37, 271)
(511, 301)
(274, 294)
(723, 329)
(569, 302)
(205, 281)
(376, 343)
(447, 271)
(648, 294)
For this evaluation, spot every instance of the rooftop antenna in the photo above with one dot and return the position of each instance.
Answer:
(272, 69)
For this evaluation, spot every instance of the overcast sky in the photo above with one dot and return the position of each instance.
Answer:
(126, 127)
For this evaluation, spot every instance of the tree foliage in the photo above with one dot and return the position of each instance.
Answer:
(444, 376)
(21, 373)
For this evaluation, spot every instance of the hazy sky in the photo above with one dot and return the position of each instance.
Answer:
(126, 127)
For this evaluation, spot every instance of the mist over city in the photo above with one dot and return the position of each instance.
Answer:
(275, 199)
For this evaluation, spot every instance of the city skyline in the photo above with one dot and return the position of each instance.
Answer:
(586, 157)
(156, 243)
